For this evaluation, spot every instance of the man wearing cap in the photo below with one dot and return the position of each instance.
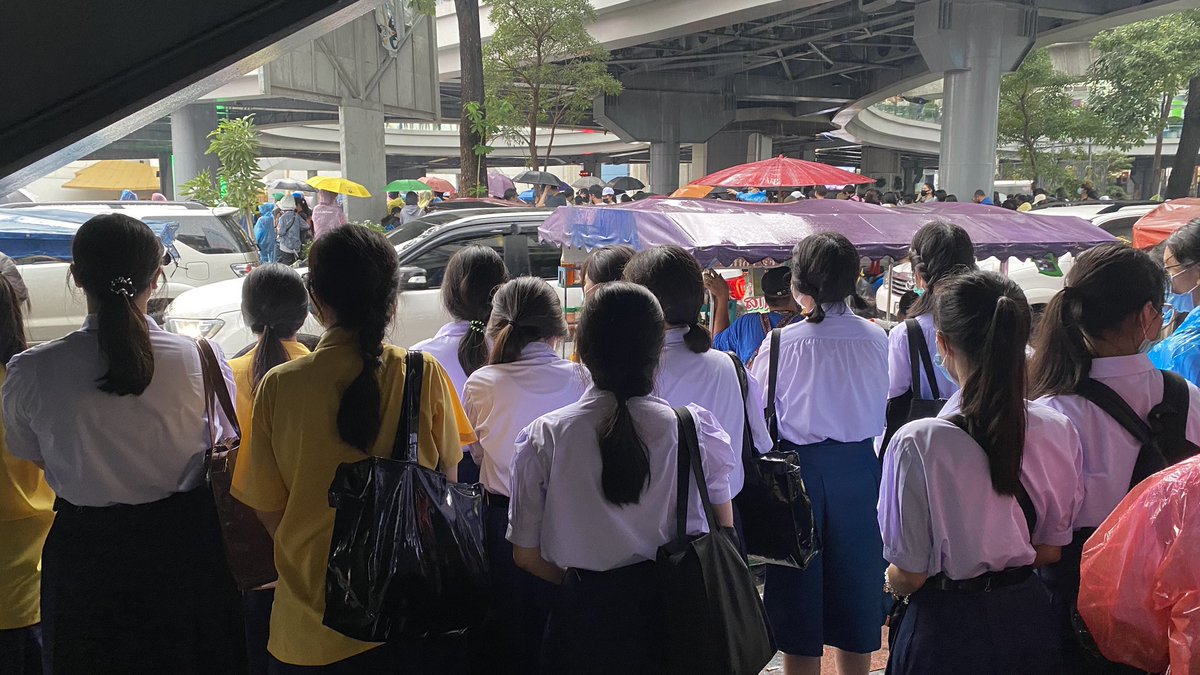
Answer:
(746, 335)
(608, 195)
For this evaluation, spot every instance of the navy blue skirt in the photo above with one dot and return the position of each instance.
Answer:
(998, 632)
(838, 600)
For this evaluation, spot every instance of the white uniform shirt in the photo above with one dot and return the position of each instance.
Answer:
(100, 449)
(710, 381)
(833, 378)
(1110, 452)
(444, 348)
(938, 511)
(503, 399)
(559, 506)
(900, 367)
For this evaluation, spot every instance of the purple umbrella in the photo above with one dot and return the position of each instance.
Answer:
(498, 183)
(734, 234)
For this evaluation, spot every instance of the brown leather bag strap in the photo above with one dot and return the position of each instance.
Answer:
(214, 384)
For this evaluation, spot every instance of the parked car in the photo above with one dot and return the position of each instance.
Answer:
(1039, 281)
(424, 247)
(209, 243)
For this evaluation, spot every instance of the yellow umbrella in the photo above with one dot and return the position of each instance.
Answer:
(115, 175)
(339, 186)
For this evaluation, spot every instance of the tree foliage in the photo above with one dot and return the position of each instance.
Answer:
(201, 189)
(1039, 115)
(239, 184)
(545, 68)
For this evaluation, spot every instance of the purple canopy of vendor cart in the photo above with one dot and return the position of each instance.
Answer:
(733, 234)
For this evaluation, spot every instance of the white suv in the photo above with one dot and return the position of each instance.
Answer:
(212, 247)
(424, 247)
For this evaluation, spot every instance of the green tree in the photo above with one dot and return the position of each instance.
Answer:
(1039, 116)
(542, 63)
(235, 143)
(1140, 69)
(473, 121)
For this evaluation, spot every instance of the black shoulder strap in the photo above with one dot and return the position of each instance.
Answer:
(689, 462)
(918, 352)
(1168, 419)
(407, 435)
(1115, 407)
(772, 383)
(765, 320)
(744, 384)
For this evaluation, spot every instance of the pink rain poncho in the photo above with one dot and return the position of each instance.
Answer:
(1140, 589)
(327, 215)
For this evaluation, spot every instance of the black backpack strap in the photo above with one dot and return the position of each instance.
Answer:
(744, 383)
(1022, 496)
(408, 433)
(1115, 407)
(1168, 420)
(918, 352)
(772, 384)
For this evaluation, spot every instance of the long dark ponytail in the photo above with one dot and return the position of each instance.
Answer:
(826, 267)
(12, 322)
(620, 341)
(985, 318)
(939, 251)
(524, 310)
(354, 273)
(472, 274)
(675, 279)
(1105, 287)
(274, 306)
(115, 260)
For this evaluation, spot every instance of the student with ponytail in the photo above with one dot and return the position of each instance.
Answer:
(593, 493)
(831, 389)
(461, 346)
(134, 577)
(525, 380)
(974, 499)
(316, 412)
(691, 371)
(1094, 335)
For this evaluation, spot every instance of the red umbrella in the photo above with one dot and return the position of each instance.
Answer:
(782, 172)
(1158, 225)
(438, 184)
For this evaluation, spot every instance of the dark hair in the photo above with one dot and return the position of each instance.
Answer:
(510, 193)
(12, 322)
(524, 310)
(940, 194)
(905, 304)
(411, 198)
(872, 196)
(980, 193)
(354, 272)
(116, 258)
(891, 198)
(949, 198)
(471, 276)
(606, 264)
(1185, 243)
(826, 267)
(820, 191)
(986, 318)
(939, 250)
(620, 340)
(274, 306)
(1106, 285)
(675, 279)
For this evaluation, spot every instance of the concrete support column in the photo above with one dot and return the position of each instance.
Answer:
(973, 42)
(190, 127)
(664, 161)
(166, 179)
(363, 160)
(759, 147)
(699, 160)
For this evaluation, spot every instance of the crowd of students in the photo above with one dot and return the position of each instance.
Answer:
(975, 517)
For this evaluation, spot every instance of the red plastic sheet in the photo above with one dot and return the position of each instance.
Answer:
(1155, 227)
(1140, 589)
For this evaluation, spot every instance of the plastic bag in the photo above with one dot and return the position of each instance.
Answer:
(1140, 578)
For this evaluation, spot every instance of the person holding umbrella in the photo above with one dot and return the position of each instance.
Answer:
(552, 197)
(327, 215)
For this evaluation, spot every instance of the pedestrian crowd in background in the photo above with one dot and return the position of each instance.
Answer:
(994, 510)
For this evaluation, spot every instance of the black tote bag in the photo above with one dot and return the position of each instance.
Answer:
(910, 406)
(777, 517)
(407, 558)
(716, 623)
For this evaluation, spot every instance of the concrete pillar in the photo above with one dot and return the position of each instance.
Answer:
(664, 161)
(166, 179)
(699, 160)
(190, 127)
(363, 160)
(973, 42)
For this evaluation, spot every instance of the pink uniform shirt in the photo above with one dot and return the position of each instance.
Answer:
(900, 368)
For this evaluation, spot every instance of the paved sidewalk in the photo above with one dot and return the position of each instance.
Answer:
(878, 662)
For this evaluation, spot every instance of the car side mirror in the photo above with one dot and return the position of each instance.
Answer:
(413, 279)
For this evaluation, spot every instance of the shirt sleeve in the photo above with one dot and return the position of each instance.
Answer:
(904, 519)
(223, 421)
(754, 412)
(899, 369)
(1060, 505)
(448, 424)
(530, 471)
(723, 341)
(257, 480)
(717, 457)
(19, 394)
(472, 392)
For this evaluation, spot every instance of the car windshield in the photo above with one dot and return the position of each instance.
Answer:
(414, 228)
(211, 234)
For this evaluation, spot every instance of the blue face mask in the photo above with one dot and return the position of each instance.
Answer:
(940, 363)
(1180, 302)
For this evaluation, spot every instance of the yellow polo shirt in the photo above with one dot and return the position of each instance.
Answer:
(290, 464)
(243, 378)
(26, 513)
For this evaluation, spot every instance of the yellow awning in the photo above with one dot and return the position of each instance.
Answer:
(117, 175)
